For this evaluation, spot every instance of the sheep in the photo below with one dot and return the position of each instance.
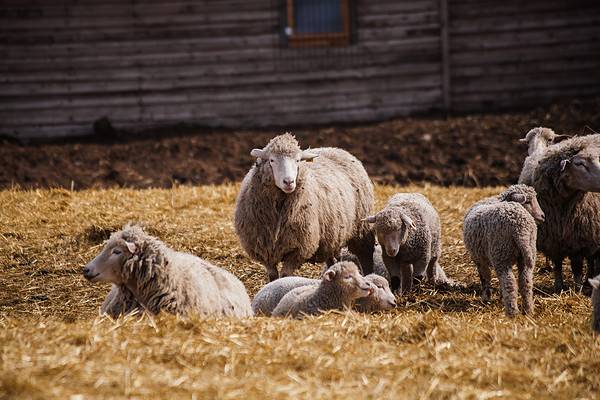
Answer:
(304, 205)
(595, 283)
(120, 301)
(501, 231)
(567, 179)
(267, 298)
(409, 231)
(339, 287)
(538, 140)
(158, 278)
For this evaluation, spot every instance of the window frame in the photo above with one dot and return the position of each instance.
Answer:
(325, 39)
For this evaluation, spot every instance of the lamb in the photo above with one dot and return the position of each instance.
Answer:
(267, 298)
(567, 180)
(538, 140)
(595, 282)
(501, 231)
(151, 276)
(339, 287)
(304, 205)
(409, 231)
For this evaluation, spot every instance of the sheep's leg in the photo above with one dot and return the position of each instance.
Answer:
(363, 248)
(558, 274)
(436, 274)
(406, 278)
(272, 272)
(291, 262)
(526, 267)
(395, 272)
(577, 269)
(485, 276)
(508, 288)
(419, 271)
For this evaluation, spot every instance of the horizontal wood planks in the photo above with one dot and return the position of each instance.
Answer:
(216, 63)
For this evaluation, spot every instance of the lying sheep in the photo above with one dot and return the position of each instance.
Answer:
(267, 298)
(304, 205)
(567, 179)
(538, 140)
(409, 231)
(161, 279)
(595, 282)
(501, 231)
(120, 301)
(339, 287)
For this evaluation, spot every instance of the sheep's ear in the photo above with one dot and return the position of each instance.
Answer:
(560, 138)
(258, 153)
(408, 221)
(308, 155)
(329, 275)
(523, 140)
(519, 198)
(563, 164)
(595, 282)
(370, 219)
(131, 247)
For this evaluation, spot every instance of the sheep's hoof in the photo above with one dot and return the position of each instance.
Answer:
(486, 295)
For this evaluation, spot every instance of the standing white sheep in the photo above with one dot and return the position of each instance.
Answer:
(340, 286)
(409, 231)
(149, 274)
(304, 205)
(501, 231)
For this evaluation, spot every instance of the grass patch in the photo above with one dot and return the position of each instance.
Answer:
(437, 344)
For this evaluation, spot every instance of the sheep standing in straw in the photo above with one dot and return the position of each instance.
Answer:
(567, 181)
(161, 279)
(501, 231)
(409, 231)
(304, 205)
(340, 286)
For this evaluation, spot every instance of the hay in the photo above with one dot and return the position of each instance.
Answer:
(438, 344)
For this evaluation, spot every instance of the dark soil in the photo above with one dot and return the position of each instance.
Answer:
(473, 150)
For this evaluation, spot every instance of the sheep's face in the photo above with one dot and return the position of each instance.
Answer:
(382, 292)
(108, 265)
(538, 139)
(283, 156)
(527, 197)
(345, 275)
(582, 171)
(392, 227)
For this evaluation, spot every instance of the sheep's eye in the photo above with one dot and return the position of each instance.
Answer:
(348, 277)
(116, 251)
(271, 160)
(380, 286)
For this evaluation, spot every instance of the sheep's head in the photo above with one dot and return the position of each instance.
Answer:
(283, 155)
(345, 275)
(108, 266)
(527, 197)
(382, 294)
(392, 226)
(581, 171)
(540, 138)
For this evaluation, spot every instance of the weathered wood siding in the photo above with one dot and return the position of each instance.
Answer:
(215, 63)
(514, 53)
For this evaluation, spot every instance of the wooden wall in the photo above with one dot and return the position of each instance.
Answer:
(210, 62)
(145, 63)
(514, 53)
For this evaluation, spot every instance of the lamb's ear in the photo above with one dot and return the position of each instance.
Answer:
(308, 155)
(370, 219)
(595, 282)
(408, 221)
(258, 153)
(523, 140)
(131, 247)
(329, 275)
(519, 198)
(563, 164)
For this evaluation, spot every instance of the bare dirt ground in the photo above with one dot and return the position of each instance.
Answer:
(437, 344)
(476, 150)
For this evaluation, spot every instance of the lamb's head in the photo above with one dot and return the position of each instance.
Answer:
(108, 266)
(527, 197)
(382, 294)
(581, 171)
(392, 226)
(283, 155)
(539, 138)
(347, 277)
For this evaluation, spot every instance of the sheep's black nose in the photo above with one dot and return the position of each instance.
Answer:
(288, 181)
(86, 272)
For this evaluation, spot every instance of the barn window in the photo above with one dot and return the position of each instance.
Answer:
(317, 23)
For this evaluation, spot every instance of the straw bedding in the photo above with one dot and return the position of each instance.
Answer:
(437, 344)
